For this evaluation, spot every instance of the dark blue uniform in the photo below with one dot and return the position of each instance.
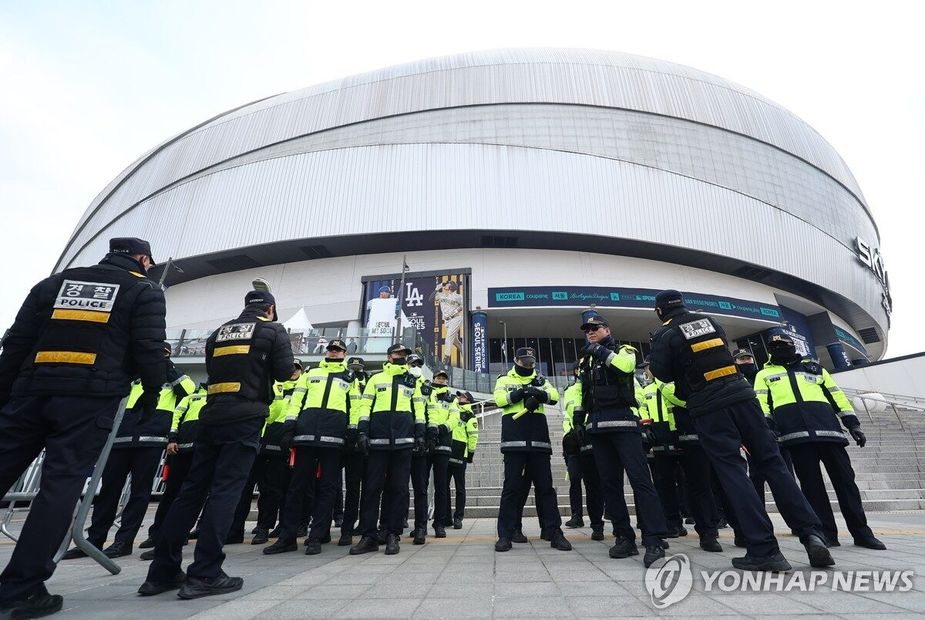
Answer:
(243, 358)
(78, 341)
(609, 399)
(690, 349)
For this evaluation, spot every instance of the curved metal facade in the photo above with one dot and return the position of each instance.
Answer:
(577, 149)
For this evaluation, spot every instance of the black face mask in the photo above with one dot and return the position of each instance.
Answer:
(333, 360)
(748, 369)
(400, 361)
(523, 372)
(784, 356)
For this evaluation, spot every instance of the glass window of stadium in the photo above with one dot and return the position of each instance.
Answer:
(555, 356)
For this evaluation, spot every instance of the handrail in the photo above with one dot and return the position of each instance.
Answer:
(899, 399)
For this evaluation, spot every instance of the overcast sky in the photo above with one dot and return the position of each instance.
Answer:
(86, 87)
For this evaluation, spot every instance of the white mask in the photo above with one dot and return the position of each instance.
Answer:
(415, 371)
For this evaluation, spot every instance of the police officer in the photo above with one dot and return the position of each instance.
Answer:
(522, 394)
(806, 406)
(183, 432)
(269, 473)
(745, 364)
(609, 410)
(441, 407)
(354, 461)
(579, 462)
(673, 456)
(136, 450)
(390, 425)
(243, 358)
(420, 461)
(465, 440)
(78, 340)
(690, 349)
(319, 415)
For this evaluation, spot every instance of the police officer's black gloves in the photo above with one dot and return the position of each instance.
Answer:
(420, 447)
(426, 388)
(363, 443)
(172, 437)
(579, 433)
(600, 352)
(540, 395)
(470, 456)
(516, 395)
(531, 404)
(147, 404)
(858, 436)
(286, 437)
(350, 439)
(651, 437)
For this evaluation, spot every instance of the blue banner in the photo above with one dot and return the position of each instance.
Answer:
(479, 342)
(565, 296)
(850, 340)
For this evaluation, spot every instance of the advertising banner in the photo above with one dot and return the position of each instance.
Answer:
(479, 341)
(611, 297)
(434, 303)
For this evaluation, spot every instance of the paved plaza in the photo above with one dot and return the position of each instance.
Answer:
(461, 576)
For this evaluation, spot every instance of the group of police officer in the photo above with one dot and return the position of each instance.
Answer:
(84, 335)
(695, 415)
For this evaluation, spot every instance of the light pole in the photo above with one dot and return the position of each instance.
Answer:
(504, 344)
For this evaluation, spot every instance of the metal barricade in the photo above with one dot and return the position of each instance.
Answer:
(25, 490)
(83, 508)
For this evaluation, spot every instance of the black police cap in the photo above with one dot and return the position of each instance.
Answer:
(669, 299)
(525, 352)
(131, 246)
(398, 348)
(592, 317)
(259, 298)
(337, 343)
(356, 361)
(443, 373)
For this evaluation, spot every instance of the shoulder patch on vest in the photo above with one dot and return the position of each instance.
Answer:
(698, 328)
(235, 331)
(80, 295)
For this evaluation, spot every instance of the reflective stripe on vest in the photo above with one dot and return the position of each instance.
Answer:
(65, 357)
(234, 349)
(706, 344)
(91, 316)
(797, 435)
(838, 434)
(616, 423)
(720, 372)
(224, 388)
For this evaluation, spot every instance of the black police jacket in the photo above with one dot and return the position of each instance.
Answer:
(243, 359)
(691, 350)
(87, 331)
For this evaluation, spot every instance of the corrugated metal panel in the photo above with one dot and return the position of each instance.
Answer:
(396, 188)
(559, 76)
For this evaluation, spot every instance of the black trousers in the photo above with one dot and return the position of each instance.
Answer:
(520, 470)
(721, 433)
(615, 453)
(268, 473)
(354, 471)
(314, 480)
(223, 455)
(439, 464)
(582, 468)
(387, 475)
(457, 474)
(696, 482)
(142, 464)
(72, 431)
(806, 460)
(754, 472)
(179, 465)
